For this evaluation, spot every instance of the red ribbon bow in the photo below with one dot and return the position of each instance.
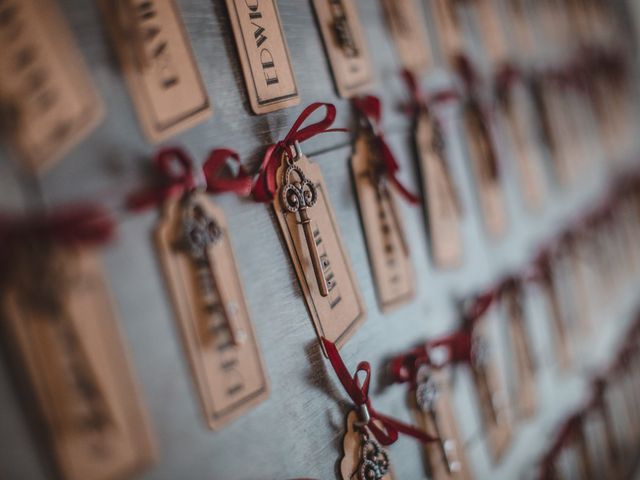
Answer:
(265, 185)
(176, 168)
(370, 108)
(359, 394)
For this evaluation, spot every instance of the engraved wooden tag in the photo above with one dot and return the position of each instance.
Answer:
(443, 210)
(448, 26)
(383, 229)
(264, 55)
(431, 403)
(523, 388)
(491, 395)
(406, 24)
(46, 94)
(486, 170)
(345, 44)
(312, 236)
(200, 269)
(159, 65)
(61, 324)
(353, 466)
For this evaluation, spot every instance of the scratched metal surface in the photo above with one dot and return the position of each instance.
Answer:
(297, 432)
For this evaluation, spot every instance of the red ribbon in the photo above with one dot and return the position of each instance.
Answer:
(175, 167)
(370, 108)
(359, 394)
(87, 225)
(419, 100)
(265, 185)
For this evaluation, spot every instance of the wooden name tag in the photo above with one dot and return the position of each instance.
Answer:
(345, 44)
(46, 96)
(264, 55)
(442, 209)
(486, 170)
(406, 24)
(431, 402)
(321, 262)
(64, 331)
(158, 64)
(200, 269)
(383, 229)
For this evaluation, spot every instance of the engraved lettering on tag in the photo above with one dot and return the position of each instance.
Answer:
(159, 65)
(199, 266)
(264, 55)
(406, 24)
(384, 233)
(65, 334)
(344, 42)
(337, 312)
(46, 94)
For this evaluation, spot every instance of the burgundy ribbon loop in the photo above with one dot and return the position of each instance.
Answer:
(176, 169)
(370, 109)
(265, 185)
(359, 394)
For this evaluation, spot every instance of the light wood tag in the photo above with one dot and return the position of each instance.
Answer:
(486, 170)
(46, 94)
(443, 209)
(61, 323)
(450, 35)
(264, 55)
(432, 405)
(159, 65)
(345, 44)
(523, 389)
(406, 24)
(312, 236)
(363, 458)
(490, 395)
(200, 269)
(383, 229)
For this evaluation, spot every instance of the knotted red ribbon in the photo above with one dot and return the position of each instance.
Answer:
(265, 185)
(370, 109)
(176, 169)
(359, 394)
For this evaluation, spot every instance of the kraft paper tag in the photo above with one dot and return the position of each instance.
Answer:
(48, 101)
(486, 170)
(264, 55)
(406, 24)
(200, 269)
(432, 405)
(345, 44)
(362, 457)
(61, 324)
(490, 395)
(523, 387)
(159, 65)
(383, 229)
(448, 26)
(337, 315)
(443, 208)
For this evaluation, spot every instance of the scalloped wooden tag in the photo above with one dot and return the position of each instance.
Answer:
(46, 94)
(345, 44)
(383, 229)
(159, 65)
(486, 170)
(264, 55)
(432, 406)
(200, 269)
(443, 209)
(352, 464)
(64, 332)
(406, 24)
(337, 315)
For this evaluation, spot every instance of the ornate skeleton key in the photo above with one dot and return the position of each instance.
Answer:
(199, 233)
(342, 29)
(297, 196)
